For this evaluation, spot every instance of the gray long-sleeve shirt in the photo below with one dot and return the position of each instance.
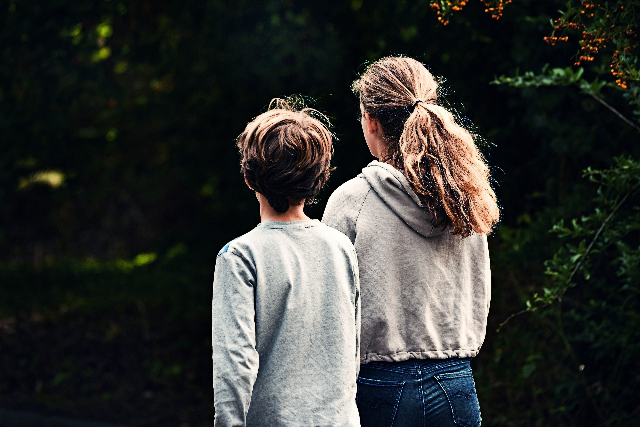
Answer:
(425, 292)
(286, 325)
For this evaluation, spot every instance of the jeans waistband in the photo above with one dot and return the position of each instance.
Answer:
(412, 366)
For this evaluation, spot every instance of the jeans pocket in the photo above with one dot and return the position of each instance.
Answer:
(378, 401)
(461, 394)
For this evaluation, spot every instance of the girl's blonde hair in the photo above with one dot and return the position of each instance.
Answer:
(286, 153)
(438, 156)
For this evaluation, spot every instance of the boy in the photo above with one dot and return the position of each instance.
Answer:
(286, 318)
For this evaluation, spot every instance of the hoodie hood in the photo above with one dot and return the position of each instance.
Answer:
(394, 189)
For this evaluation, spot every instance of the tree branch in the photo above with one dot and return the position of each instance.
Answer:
(575, 269)
(604, 223)
(616, 112)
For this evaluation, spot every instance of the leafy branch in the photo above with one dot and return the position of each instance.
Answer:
(617, 185)
(568, 77)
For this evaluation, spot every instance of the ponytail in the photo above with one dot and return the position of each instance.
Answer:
(447, 171)
(438, 156)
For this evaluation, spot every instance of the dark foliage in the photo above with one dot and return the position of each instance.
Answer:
(119, 182)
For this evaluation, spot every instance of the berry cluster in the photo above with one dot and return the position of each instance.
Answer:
(445, 8)
(495, 7)
(620, 69)
(599, 23)
(552, 40)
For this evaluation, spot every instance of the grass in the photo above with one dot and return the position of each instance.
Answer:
(125, 341)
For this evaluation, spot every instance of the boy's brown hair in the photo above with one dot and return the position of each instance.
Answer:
(286, 153)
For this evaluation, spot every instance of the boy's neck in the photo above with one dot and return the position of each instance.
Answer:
(267, 213)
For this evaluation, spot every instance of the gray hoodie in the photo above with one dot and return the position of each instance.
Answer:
(424, 291)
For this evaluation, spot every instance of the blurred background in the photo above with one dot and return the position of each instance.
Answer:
(119, 183)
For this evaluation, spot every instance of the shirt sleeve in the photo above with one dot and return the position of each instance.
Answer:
(235, 358)
(357, 312)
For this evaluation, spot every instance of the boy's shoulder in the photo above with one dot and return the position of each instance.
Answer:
(225, 249)
(335, 235)
(239, 244)
(256, 238)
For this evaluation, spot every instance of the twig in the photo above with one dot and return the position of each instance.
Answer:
(604, 223)
(616, 112)
(575, 269)
(511, 316)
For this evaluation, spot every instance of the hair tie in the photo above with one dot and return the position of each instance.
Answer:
(413, 107)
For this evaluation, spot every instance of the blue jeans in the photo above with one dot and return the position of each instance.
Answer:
(430, 393)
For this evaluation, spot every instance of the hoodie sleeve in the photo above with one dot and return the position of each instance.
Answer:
(344, 205)
(235, 358)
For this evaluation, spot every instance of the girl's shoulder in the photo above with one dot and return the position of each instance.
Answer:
(351, 191)
(344, 205)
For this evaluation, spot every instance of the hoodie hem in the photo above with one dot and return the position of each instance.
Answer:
(406, 355)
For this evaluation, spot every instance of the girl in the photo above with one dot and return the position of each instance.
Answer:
(418, 218)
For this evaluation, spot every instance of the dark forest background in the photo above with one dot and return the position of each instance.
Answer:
(119, 182)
